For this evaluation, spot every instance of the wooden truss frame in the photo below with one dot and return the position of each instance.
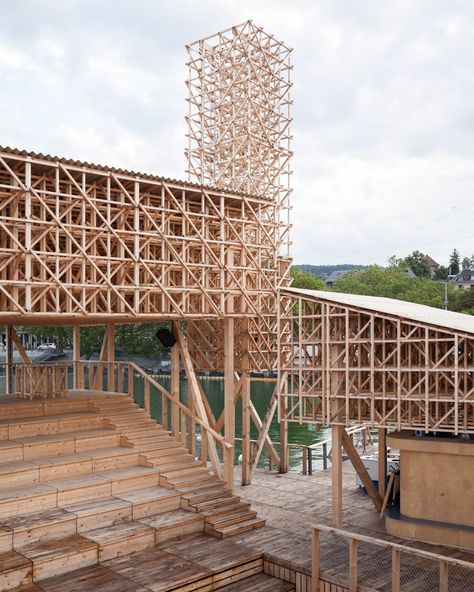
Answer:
(346, 365)
(240, 114)
(82, 243)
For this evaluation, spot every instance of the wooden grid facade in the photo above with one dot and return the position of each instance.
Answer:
(239, 114)
(346, 365)
(86, 244)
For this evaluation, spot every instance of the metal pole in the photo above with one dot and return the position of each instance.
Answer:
(325, 456)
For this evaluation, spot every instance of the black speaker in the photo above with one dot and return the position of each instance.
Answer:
(165, 337)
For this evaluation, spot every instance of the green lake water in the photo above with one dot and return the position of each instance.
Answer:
(261, 393)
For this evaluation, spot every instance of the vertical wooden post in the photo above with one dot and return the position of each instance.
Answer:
(284, 449)
(353, 565)
(229, 403)
(131, 381)
(78, 375)
(146, 395)
(395, 570)
(382, 461)
(110, 337)
(443, 576)
(175, 390)
(245, 394)
(315, 558)
(336, 474)
(9, 360)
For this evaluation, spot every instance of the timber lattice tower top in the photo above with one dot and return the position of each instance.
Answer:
(240, 113)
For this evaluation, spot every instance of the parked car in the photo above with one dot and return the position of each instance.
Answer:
(46, 346)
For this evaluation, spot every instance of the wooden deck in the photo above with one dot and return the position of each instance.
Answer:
(291, 503)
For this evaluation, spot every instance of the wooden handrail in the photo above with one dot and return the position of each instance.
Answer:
(396, 546)
(218, 437)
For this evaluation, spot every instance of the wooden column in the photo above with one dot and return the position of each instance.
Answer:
(78, 375)
(382, 461)
(175, 389)
(110, 336)
(284, 450)
(9, 360)
(245, 393)
(336, 474)
(229, 404)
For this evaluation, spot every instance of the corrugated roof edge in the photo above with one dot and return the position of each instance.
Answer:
(421, 313)
(104, 168)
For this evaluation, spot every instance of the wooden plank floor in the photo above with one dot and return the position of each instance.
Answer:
(292, 503)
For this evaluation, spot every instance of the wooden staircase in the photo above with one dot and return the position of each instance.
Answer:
(92, 481)
(224, 514)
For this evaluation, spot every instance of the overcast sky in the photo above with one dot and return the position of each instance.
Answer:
(383, 106)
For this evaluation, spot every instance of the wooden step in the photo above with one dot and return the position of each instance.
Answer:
(122, 539)
(59, 556)
(214, 503)
(228, 561)
(151, 501)
(206, 492)
(100, 513)
(6, 539)
(160, 571)
(259, 583)
(231, 518)
(95, 578)
(171, 464)
(77, 489)
(171, 525)
(116, 457)
(94, 439)
(129, 478)
(226, 509)
(64, 467)
(27, 499)
(156, 447)
(164, 452)
(47, 525)
(10, 451)
(45, 446)
(234, 529)
(18, 473)
(15, 570)
(171, 457)
(195, 475)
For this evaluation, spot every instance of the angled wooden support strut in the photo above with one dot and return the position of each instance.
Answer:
(361, 470)
(193, 385)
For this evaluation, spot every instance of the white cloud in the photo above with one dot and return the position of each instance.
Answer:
(384, 110)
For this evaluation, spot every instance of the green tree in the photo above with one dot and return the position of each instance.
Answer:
(416, 261)
(441, 273)
(466, 263)
(454, 262)
(395, 283)
(306, 280)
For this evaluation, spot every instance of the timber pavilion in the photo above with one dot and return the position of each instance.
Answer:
(94, 493)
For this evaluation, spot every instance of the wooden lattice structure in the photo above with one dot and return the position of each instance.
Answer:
(239, 112)
(349, 363)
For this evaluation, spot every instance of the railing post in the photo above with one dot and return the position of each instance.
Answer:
(395, 570)
(175, 390)
(146, 391)
(443, 576)
(305, 460)
(228, 453)
(9, 361)
(353, 565)
(310, 461)
(315, 558)
(325, 456)
(130, 381)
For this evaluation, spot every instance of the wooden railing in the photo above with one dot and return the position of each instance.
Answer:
(367, 569)
(34, 381)
(175, 416)
(321, 451)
